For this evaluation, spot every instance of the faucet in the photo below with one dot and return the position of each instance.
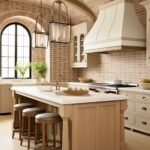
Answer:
(57, 82)
(57, 85)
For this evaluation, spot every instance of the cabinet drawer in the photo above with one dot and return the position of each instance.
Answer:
(130, 96)
(128, 119)
(142, 123)
(142, 97)
(131, 105)
(142, 108)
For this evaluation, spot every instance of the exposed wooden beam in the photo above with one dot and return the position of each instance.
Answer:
(82, 8)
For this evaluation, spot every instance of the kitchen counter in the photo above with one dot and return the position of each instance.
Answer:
(87, 120)
(130, 89)
(63, 99)
(135, 89)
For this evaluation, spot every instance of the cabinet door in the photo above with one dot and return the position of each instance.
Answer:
(6, 102)
(96, 126)
(79, 58)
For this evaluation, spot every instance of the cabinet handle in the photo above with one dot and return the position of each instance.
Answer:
(144, 123)
(126, 118)
(144, 108)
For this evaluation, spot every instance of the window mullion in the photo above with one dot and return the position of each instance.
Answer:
(16, 50)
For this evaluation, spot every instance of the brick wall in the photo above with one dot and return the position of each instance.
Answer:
(128, 65)
(24, 13)
(59, 54)
(125, 65)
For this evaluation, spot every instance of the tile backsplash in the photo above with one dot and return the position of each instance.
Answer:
(127, 65)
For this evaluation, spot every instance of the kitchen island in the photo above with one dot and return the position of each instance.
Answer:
(90, 122)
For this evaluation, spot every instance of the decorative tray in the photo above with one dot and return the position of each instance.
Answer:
(73, 92)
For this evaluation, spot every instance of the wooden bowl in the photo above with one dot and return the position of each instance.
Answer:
(145, 86)
(85, 80)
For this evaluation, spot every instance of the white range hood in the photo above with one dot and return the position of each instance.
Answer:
(117, 27)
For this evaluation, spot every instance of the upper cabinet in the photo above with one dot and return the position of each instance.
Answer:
(78, 57)
(146, 4)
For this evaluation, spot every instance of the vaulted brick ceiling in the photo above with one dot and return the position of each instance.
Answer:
(94, 5)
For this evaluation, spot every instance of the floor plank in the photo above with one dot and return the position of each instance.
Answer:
(135, 141)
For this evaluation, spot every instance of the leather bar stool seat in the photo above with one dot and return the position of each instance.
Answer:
(49, 119)
(18, 117)
(30, 113)
(22, 106)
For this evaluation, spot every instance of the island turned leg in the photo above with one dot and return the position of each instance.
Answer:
(65, 138)
(123, 108)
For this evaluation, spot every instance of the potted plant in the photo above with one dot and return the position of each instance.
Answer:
(21, 69)
(39, 68)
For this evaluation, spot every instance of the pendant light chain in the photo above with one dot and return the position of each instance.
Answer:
(41, 14)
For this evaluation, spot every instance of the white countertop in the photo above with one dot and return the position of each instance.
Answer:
(135, 89)
(130, 89)
(62, 99)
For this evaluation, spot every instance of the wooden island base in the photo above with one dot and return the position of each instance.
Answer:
(87, 126)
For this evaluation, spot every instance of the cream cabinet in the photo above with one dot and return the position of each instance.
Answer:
(146, 4)
(78, 57)
(6, 102)
(137, 115)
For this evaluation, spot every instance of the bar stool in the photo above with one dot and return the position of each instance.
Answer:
(18, 117)
(51, 119)
(29, 113)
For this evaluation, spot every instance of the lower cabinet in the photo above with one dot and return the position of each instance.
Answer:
(137, 115)
(6, 102)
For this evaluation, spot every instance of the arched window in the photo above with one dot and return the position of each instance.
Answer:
(15, 48)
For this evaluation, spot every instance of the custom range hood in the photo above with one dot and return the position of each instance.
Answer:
(117, 27)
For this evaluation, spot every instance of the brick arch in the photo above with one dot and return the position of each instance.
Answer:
(25, 22)
(18, 13)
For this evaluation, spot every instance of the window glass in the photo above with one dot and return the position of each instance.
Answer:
(15, 48)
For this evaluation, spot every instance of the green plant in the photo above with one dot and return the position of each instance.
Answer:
(39, 68)
(22, 69)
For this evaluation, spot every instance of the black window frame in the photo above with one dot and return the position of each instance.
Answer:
(30, 49)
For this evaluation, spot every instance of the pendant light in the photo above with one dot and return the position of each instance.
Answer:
(41, 37)
(59, 27)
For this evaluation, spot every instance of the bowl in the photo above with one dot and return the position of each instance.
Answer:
(145, 86)
(45, 88)
(85, 80)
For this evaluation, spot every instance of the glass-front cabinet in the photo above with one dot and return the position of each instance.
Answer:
(79, 58)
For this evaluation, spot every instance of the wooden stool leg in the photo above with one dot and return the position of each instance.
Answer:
(36, 133)
(29, 131)
(43, 135)
(54, 135)
(20, 124)
(14, 123)
(46, 137)
(22, 130)
(60, 130)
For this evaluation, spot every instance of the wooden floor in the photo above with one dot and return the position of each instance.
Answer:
(135, 141)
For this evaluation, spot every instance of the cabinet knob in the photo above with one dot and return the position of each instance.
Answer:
(144, 123)
(143, 97)
(126, 118)
(144, 108)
